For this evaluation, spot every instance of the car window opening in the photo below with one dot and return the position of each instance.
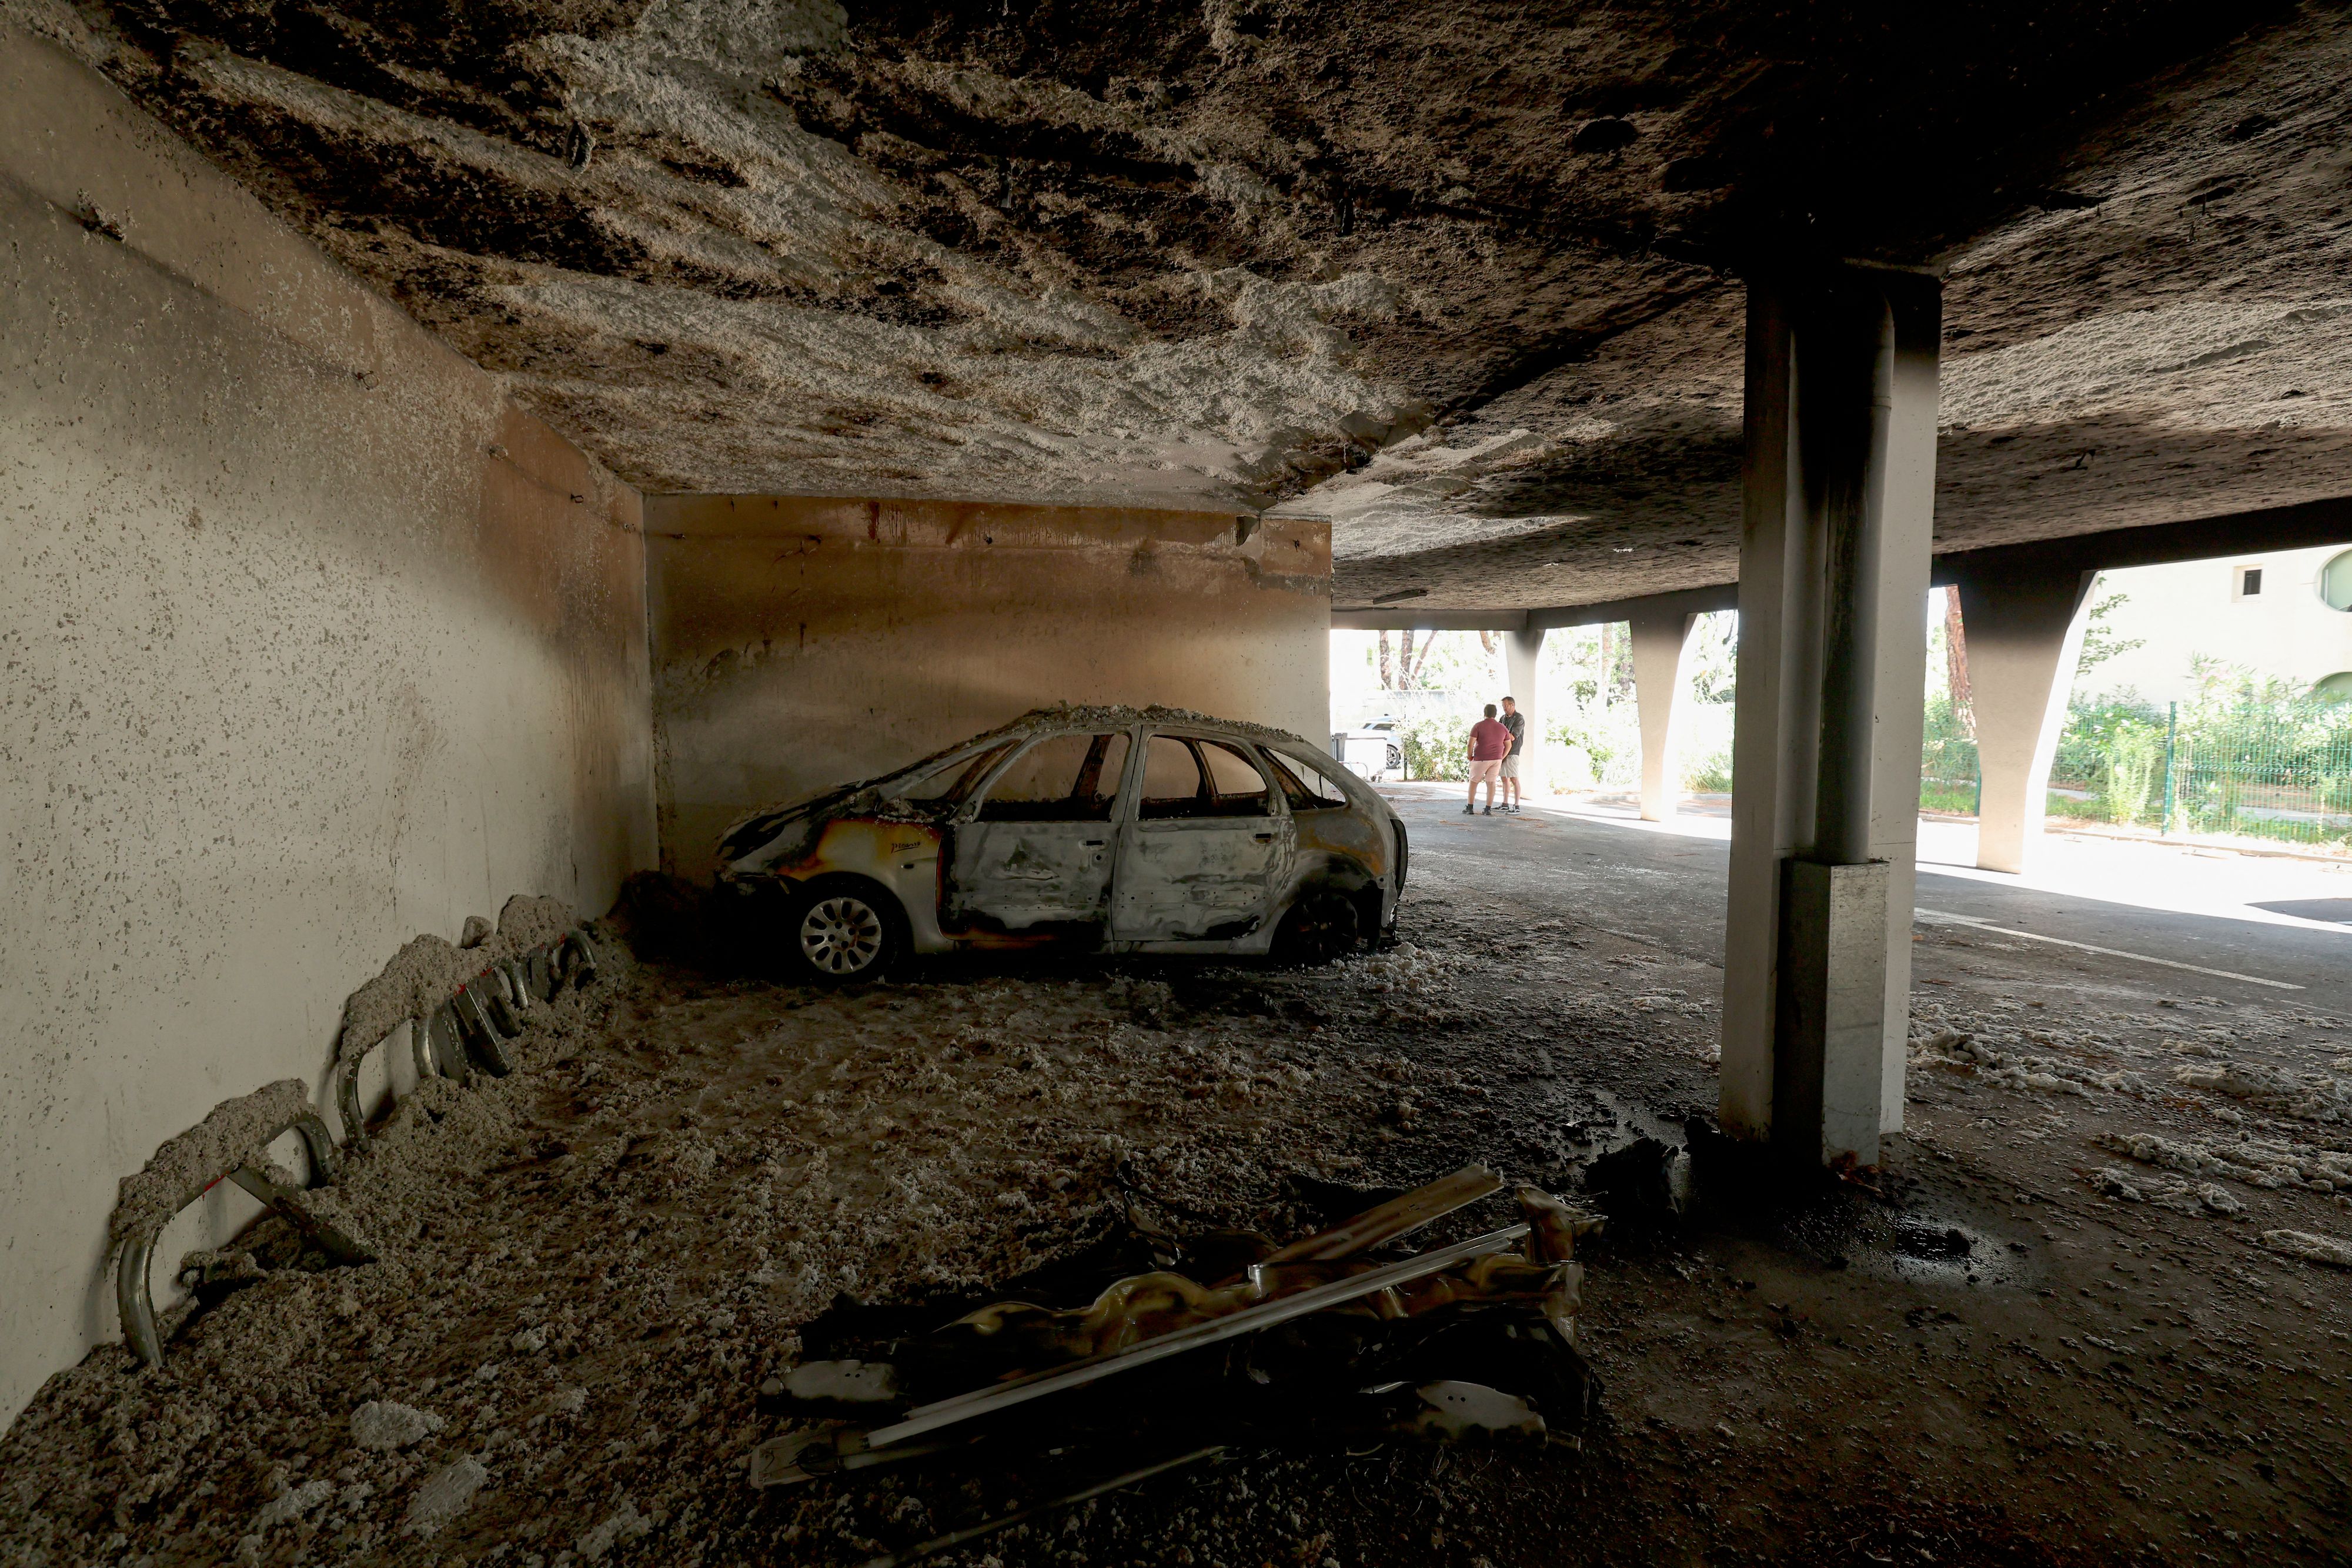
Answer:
(1240, 785)
(1305, 787)
(1059, 778)
(1188, 779)
(1172, 782)
(954, 780)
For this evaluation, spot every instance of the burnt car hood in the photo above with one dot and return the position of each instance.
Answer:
(762, 825)
(859, 800)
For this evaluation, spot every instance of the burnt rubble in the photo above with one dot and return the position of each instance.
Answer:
(1174, 1349)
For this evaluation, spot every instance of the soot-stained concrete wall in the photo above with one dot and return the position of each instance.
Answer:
(311, 642)
(800, 643)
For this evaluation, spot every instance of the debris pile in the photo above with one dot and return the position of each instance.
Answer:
(2166, 1192)
(230, 1135)
(2257, 1161)
(2328, 1251)
(1954, 1051)
(422, 974)
(1225, 1341)
(2306, 1096)
(2004, 1052)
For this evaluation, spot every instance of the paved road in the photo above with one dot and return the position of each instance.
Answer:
(1667, 888)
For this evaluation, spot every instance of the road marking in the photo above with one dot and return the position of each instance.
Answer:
(1938, 917)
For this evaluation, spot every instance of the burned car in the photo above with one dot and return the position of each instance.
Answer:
(1110, 829)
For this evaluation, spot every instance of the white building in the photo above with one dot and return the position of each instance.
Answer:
(2288, 613)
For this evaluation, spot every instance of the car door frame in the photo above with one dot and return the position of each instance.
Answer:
(966, 933)
(1129, 818)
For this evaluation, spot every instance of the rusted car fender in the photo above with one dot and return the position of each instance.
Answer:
(903, 858)
(1323, 871)
(1351, 852)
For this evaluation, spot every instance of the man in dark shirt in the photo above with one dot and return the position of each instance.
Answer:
(1489, 744)
(1516, 723)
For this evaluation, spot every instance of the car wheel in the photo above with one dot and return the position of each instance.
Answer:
(841, 930)
(1321, 927)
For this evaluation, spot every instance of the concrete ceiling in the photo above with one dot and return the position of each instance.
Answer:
(1461, 277)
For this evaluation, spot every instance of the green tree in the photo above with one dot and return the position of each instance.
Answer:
(2100, 643)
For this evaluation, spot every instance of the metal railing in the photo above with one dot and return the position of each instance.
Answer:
(2243, 761)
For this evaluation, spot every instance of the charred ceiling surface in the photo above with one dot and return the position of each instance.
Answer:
(2159, 334)
(1460, 276)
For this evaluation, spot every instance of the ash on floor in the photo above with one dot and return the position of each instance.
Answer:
(588, 1271)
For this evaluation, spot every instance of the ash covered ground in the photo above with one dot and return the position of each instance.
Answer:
(2051, 1331)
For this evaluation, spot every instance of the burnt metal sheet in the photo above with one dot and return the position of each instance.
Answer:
(1182, 881)
(1393, 1219)
(1249, 1319)
(1014, 875)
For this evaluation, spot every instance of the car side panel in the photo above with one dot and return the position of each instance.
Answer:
(1014, 876)
(1203, 880)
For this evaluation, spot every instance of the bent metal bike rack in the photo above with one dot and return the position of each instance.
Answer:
(131, 1297)
(434, 1047)
(488, 1021)
(574, 960)
(472, 1027)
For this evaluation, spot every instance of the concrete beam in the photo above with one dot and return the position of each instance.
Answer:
(1403, 617)
(1684, 601)
(2300, 527)
(1378, 618)
(2024, 626)
(1661, 645)
(1838, 480)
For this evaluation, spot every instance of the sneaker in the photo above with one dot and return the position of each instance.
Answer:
(1469, 810)
(1490, 810)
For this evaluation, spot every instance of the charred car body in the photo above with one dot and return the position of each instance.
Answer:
(1108, 828)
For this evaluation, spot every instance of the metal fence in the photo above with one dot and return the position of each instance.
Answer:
(2265, 771)
(2244, 760)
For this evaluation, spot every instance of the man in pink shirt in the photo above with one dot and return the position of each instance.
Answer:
(1489, 744)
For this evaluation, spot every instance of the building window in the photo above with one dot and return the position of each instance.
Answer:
(2336, 581)
(2249, 581)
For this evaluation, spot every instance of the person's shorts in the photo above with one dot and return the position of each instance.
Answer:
(1485, 772)
(1511, 766)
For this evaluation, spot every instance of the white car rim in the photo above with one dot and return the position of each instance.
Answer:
(841, 935)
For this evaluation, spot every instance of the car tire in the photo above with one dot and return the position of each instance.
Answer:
(840, 930)
(1322, 926)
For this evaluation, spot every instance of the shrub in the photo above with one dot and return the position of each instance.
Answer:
(1711, 773)
(1437, 748)
(2133, 771)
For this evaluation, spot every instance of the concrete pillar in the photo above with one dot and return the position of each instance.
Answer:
(1661, 639)
(2025, 633)
(1522, 665)
(1838, 481)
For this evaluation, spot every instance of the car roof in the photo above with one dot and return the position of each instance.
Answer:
(1111, 715)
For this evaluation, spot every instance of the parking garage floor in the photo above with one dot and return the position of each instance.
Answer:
(2071, 1321)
